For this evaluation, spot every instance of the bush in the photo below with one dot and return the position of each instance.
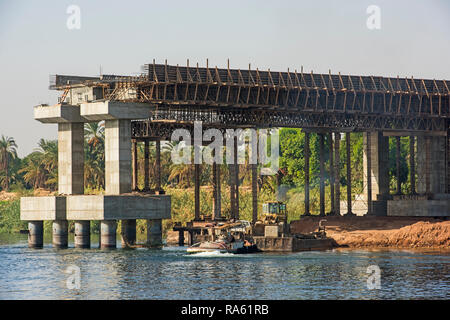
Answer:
(10, 217)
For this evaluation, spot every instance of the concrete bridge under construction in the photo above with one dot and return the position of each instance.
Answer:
(147, 108)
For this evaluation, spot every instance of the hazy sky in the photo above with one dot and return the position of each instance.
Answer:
(35, 42)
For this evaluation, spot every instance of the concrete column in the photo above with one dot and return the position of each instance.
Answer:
(307, 154)
(232, 193)
(332, 175)
(215, 193)
(197, 191)
(236, 178)
(349, 174)
(35, 234)
(154, 232)
(158, 165)
(254, 192)
(412, 165)
(337, 172)
(431, 164)
(368, 171)
(118, 156)
(219, 193)
(181, 238)
(379, 165)
(108, 229)
(60, 234)
(134, 157)
(397, 163)
(128, 232)
(146, 166)
(427, 165)
(82, 234)
(322, 173)
(448, 162)
(71, 158)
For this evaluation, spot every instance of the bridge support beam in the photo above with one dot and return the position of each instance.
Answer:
(307, 155)
(376, 172)
(134, 159)
(146, 166)
(332, 176)
(216, 191)
(368, 171)
(397, 163)
(254, 192)
(322, 173)
(158, 166)
(431, 164)
(35, 234)
(219, 193)
(337, 173)
(60, 234)
(128, 232)
(197, 191)
(349, 175)
(232, 189)
(108, 229)
(236, 179)
(412, 166)
(71, 158)
(154, 232)
(82, 236)
(215, 194)
(117, 156)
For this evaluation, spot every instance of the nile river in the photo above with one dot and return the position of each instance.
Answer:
(172, 274)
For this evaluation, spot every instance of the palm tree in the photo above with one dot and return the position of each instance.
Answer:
(94, 133)
(41, 166)
(35, 172)
(181, 174)
(8, 149)
(49, 151)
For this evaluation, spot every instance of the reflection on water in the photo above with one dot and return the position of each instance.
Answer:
(172, 274)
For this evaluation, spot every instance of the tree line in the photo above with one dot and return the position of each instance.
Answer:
(39, 169)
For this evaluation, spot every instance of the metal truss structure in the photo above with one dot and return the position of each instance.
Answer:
(254, 98)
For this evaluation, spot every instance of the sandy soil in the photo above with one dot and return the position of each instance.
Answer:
(394, 232)
(7, 196)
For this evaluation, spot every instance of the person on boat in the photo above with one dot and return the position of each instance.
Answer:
(230, 238)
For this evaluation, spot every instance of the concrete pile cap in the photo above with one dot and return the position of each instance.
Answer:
(59, 113)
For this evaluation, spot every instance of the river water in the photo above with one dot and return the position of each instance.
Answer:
(172, 274)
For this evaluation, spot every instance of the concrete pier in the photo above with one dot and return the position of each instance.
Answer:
(431, 166)
(307, 155)
(337, 173)
(376, 170)
(322, 174)
(60, 234)
(35, 234)
(349, 174)
(82, 234)
(128, 232)
(154, 232)
(108, 229)
(71, 158)
(117, 156)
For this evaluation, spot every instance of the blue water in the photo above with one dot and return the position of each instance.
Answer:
(172, 274)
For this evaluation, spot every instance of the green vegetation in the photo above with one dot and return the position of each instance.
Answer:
(38, 170)
(10, 216)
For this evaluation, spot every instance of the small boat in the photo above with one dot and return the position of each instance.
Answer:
(231, 238)
(221, 246)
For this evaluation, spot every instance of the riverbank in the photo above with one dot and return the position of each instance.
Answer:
(380, 232)
(352, 232)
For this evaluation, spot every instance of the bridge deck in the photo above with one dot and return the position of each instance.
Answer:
(290, 99)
